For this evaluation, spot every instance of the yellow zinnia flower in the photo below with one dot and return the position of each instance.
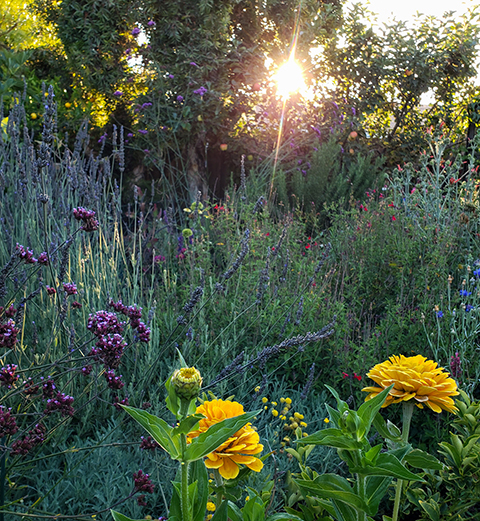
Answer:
(238, 449)
(416, 378)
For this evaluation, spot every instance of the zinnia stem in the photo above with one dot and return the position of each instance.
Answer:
(184, 500)
(220, 489)
(407, 418)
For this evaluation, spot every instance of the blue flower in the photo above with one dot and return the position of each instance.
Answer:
(440, 314)
(476, 273)
(468, 308)
(465, 293)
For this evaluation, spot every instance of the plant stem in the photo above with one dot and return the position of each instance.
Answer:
(407, 418)
(361, 516)
(184, 499)
(220, 488)
(2, 477)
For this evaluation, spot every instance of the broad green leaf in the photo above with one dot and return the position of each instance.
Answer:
(234, 513)
(375, 489)
(221, 514)
(344, 512)
(372, 454)
(342, 406)
(187, 424)
(197, 472)
(369, 409)
(422, 460)
(333, 413)
(331, 486)
(175, 504)
(159, 429)
(431, 508)
(285, 516)
(217, 434)
(387, 465)
(381, 426)
(172, 400)
(120, 517)
(332, 438)
(254, 509)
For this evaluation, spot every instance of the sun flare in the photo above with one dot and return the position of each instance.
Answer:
(289, 78)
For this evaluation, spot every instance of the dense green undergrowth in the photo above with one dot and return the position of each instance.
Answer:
(264, 299)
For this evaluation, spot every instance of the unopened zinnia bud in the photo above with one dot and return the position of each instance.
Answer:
(187, 382)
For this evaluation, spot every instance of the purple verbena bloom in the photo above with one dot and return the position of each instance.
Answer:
(171, 76)
(151, 23)
(201, 91)
(141, 131)
(193, 64)
(118, 93)
(135, 31)
(179, 98)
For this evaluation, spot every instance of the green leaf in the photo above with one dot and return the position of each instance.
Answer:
(332, 438)
(182, 360)
(234, 513)
(369, 409)
(333, 413)
(221, 514)
(120, 517)
(285, 516)
(172, 400)
(386, 430)
(217, 434)
(342, 406)
(422, 460)
(331, 486)
(188, 424)
(159, 429)
(375, 489)
(197, 472)
(254, 509)
(387, 465)
(431, 508)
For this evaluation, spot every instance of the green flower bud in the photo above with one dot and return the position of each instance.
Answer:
(187, 382)
(187, 233)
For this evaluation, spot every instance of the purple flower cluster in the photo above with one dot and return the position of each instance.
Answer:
(34, 437)
(70, 288)
(25, 254)
(61, 403)
(8, 376)
(142, 482)
(9, 312)
(43, 258)
(50, 291)
(87, 370)
(48, 389)
(201, 91)
(134, 313)
(135, 31)
(117, 402)
(8, 334)
(456, 366)
(109, 349)
(30, 388)
(90, 224)
(8, 425)
(103, 322)
(148, 443)
(113, 382)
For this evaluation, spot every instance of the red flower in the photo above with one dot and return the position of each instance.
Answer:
(307, 246)
(345, 375)
(394, 218)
